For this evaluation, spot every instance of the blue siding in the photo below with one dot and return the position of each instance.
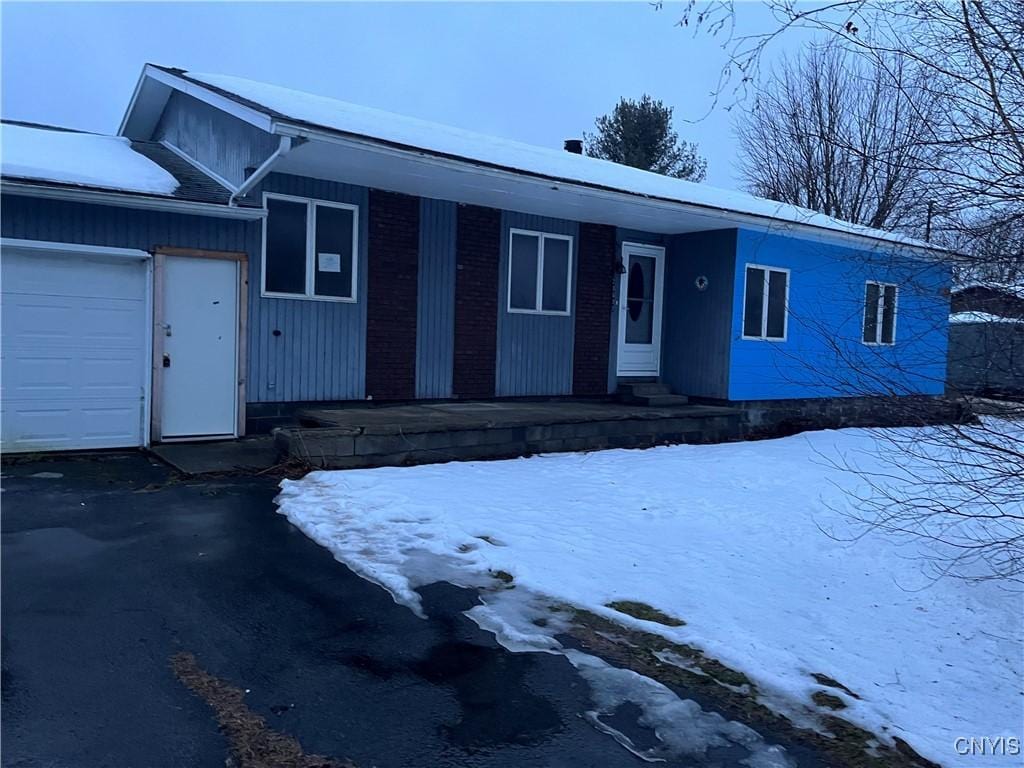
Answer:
(320, 352)
(435, 320)
(823, 355)
(534, 351)
(698, 324)
(215, 139)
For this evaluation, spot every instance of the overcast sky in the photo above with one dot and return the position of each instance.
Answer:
(535, 72)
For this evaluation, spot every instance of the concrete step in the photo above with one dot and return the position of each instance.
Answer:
(660, 401)
(643, 389)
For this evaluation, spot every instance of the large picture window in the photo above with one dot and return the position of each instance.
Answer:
(310, 249)
(880, 313)
(539, 272)
(765, 302)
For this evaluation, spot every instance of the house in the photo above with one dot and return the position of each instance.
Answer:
(986, 339)
(240, 250)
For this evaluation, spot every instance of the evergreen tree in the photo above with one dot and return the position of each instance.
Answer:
(640, 134)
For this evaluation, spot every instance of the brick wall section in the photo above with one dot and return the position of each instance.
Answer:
(477, 250)
(595, 276)
(393, 256)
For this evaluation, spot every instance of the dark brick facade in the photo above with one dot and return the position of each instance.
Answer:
(393, 256)
(477, 251)
(594, 281)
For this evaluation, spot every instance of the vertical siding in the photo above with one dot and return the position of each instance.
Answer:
(320, 350)
(534, 351)
(435, 322)
(698, 324)
(220, 142)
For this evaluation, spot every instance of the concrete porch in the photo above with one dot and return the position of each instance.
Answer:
(427, 433)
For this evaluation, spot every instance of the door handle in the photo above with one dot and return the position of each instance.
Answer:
(167, 360)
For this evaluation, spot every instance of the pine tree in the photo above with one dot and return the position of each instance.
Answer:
(640, 134)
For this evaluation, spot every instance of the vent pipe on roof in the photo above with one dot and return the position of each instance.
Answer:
(575, 146)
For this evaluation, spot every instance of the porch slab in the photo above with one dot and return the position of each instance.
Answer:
(365, 436)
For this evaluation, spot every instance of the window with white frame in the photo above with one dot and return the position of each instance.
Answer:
(539, 272)
(310, 249)
(765, 302)
(880, 313)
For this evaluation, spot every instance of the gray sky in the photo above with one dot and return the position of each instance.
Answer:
(536, 72)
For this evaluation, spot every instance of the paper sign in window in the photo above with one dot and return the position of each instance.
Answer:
(329, 262)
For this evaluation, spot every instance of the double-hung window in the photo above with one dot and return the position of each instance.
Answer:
(539, 272)
(765, 303)
(310, 249)
(879, 313)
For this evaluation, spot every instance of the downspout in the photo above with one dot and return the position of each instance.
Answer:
(282, 149)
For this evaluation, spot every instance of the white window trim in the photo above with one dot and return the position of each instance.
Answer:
(880, 313)
(311, 205)
(541, 237)
(764, 305)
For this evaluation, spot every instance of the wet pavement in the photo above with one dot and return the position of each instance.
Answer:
(114, 566)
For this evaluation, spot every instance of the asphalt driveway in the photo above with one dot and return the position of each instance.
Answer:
(111, 566)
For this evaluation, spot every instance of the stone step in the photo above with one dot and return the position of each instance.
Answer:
(660, 401)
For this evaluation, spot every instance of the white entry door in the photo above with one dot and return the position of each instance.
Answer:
(640, 298)
(198, 365)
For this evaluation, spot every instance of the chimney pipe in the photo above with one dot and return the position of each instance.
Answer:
(575, 146)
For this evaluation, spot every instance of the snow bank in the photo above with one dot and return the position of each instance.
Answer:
(388, 126)
(732, 539)
(84, 159)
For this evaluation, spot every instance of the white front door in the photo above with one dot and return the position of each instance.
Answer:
(640, 297)
(199, 361)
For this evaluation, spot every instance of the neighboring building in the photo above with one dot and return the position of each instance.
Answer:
(244, 249)
(986, 340)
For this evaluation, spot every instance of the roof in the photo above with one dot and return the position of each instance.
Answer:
(1008, 289)
(54, 156)
(284, 105)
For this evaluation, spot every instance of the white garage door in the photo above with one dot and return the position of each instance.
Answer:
(74, 350)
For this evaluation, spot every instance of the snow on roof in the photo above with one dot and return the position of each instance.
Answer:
(336, 115)
(82, 159)
(958, 318)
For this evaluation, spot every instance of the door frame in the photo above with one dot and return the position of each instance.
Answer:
(658, 253)
(160, 255)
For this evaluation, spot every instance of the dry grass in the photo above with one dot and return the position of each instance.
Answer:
(253, 744)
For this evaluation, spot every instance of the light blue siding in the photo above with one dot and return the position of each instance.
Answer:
(224, 144)
(435, 319)
(319, 352)
(823, 355)
(698, 323)
(534, 351)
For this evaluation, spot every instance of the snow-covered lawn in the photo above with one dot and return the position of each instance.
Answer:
(728, 538)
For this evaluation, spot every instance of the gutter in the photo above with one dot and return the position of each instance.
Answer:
(283, 148)
(127, 200)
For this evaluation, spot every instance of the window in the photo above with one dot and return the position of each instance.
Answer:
(765, 303)
(879, 313)
(539, 272)
(309, 249)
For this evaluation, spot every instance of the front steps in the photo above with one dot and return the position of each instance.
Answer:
(648, 393)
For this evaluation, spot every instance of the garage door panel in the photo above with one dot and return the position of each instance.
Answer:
(73, 368)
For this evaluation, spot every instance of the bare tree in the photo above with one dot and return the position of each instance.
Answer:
(831, 132)
(959, 68)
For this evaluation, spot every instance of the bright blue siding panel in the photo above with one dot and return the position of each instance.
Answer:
(698, 323)
(823, 355)
(435, 309)
(534, 351)
(215, 139)
(319, 350)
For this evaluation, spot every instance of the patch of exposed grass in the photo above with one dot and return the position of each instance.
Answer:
(503, 576)
(828, 700)
(830, 682)
(731, 693)
(643, 611)
(252, 742)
